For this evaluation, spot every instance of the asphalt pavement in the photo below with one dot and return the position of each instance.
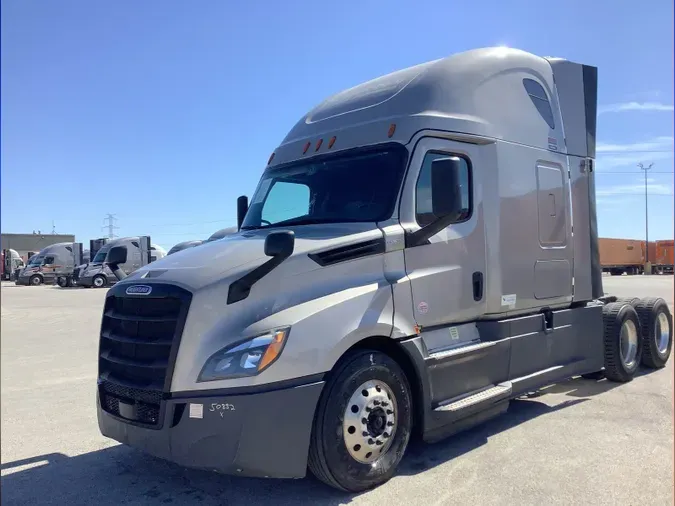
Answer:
(579, 442)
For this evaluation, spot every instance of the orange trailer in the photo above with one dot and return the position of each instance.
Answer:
(619, 256)
(663, 257)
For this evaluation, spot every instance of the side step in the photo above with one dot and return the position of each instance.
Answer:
(459, 414)
(484, 397)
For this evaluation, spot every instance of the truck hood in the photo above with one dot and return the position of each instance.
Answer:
(195, 268)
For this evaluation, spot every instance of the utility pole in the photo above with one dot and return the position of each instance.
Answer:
(53, 228)
(111, 219)
(648, 265)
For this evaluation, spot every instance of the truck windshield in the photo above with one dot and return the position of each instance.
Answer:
(100, 255)
(356, 187)
(36, 260)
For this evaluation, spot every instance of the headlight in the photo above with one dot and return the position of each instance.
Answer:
(245, 359)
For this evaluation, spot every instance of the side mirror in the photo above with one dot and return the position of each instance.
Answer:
(242, 208)
(446, 192)
(117, 255)
(280, 244)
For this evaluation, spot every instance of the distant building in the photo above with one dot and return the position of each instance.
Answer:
(32, 243)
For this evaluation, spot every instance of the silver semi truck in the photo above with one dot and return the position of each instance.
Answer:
(140, 252)
(223, 232)
(47, 265)
(184, 245)
(406, 265)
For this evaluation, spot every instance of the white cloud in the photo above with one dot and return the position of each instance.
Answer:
(636, 106)
(633, 189)
(610, 156)
(656, 144)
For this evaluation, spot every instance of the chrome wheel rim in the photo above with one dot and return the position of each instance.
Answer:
(629, 343)
(370, 421)
(662, 332)
(98, 282)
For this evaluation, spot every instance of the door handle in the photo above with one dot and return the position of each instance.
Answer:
(477, 282)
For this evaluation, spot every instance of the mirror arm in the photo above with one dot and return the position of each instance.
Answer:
(119, 273)
(419, 237)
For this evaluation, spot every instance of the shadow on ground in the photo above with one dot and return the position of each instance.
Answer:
(120, 475)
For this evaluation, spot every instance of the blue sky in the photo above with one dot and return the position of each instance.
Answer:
(163, 112)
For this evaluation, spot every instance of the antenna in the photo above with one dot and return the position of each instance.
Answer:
(111, 219)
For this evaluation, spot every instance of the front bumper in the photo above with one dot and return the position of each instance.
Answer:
(263, 434)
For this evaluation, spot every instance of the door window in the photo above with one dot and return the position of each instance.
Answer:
(48, 261)
(423, 198)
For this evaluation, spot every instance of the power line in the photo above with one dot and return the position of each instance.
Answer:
(111, 225)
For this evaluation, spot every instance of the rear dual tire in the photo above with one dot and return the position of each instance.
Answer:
(636, 331)
(362, 424)
(622, 341)
(657, 332)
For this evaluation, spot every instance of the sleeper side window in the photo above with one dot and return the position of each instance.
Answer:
(48, 261)
(423, 196)
(540, 100)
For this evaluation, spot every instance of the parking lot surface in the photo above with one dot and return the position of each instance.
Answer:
(579, 442)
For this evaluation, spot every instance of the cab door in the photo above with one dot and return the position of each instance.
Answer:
(447, 272)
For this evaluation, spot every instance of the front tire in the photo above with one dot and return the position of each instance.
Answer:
(35, 280)
(623, 341)
(657, 331)
(363, 422)
(99, 281)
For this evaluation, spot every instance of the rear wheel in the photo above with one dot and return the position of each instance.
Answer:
(633, 301)
(62, 281)
(363, 422)
(623, 341)
(657, 330)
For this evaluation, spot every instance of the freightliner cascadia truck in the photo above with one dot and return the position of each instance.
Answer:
(405, 266)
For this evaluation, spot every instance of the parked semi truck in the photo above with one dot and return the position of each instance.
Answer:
(11, 262)
(141, 252)
(184, 245)
(223, 232)
(406, 265)
(48, 264)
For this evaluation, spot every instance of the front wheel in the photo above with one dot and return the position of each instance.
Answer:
(99, 281)
(363, 422)
(35, 280)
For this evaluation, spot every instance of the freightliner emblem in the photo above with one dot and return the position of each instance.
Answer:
(139, 290)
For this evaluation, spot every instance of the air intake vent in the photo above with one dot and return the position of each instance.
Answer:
(351, 252)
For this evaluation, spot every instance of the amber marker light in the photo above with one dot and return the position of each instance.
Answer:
(273, 349)
(392, 129)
